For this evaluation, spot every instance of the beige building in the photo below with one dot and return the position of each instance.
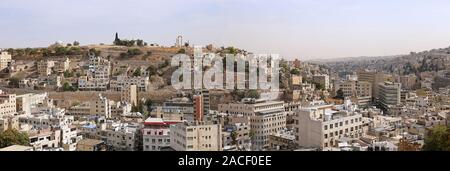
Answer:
(372, 77)
(122, 82)
(266, 118)
(17, 148)
(389, 95)
(408, 81)
(9, 122)
(91, 145)
(129, 95)
(7, 104)
(199, 136)
(359, 91)
(323, 80)
(5, 60)
(45, 67)
(322, 126)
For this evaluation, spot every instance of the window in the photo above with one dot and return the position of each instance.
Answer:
(336, 125)
(326, 136)
(326, 127)
(331, 126)
(341, 124)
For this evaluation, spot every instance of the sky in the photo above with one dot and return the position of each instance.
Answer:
(303, 29)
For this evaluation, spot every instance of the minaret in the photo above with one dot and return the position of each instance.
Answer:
(117, 38)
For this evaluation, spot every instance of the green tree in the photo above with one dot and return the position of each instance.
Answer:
(14, 82)
(76, 43)
(234, 135)
(295, 71)
(340, 94)
(139, 42)
(137, 72)
(437, 140)
(181, 51)
(253, 94)
(13, 137)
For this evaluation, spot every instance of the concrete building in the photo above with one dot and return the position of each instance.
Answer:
(236, 133)
(322, 126)
(372, 77)
(196, 136)
(98, 75)
(360, 91)
(389, 95)
(5, 60)
(408, 81)
(9, 122)
(266, 118)
(122, 82)
(129, 95)
(61, 65)
(101, 107)
(156, 133)
(45, 67)
(91, 145)
(7, 103)
(17, 148)
(124, 136)
(323, 80)
(27, 101)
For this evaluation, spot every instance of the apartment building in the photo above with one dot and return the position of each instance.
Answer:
(5, 60)
(98, 75)
(123, 136)
(408, 82)
(323, 80)
(101, 106)
(156, 133)
(27, 101)
(121, 83)
(9, 122)
(389, 95)
(372, 77)
(129, 95)
(322, 126)
(360, 91)
(196, 136)
(266, 118)
(7, 103)
(45, 67)
(236, 133)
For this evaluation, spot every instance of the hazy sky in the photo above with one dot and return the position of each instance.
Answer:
(305, 29)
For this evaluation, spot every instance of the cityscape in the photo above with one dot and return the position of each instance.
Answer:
(120, 95)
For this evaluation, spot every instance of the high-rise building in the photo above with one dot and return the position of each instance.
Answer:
(266, 118)
(372, 77)
(389, 95)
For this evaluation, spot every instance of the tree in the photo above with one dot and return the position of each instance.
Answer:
(139, 42)
(181, 51)
(137, 72)
(13, 137)
(14, 82)
(234, 140)
(68, 87)
(340, 94)
(295, 71)
(437, 140)
(76, 43)
(253, 94)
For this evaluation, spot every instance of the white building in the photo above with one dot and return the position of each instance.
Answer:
(196, 137)
(98, 75)
(156, 134)
(266, 118)
(123, 82)
(45, 67)
(322, 126)
(27, 101)
(323, 80)
(389, 95)
(7, 103)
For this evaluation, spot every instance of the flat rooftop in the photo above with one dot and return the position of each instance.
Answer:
(17, 148)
